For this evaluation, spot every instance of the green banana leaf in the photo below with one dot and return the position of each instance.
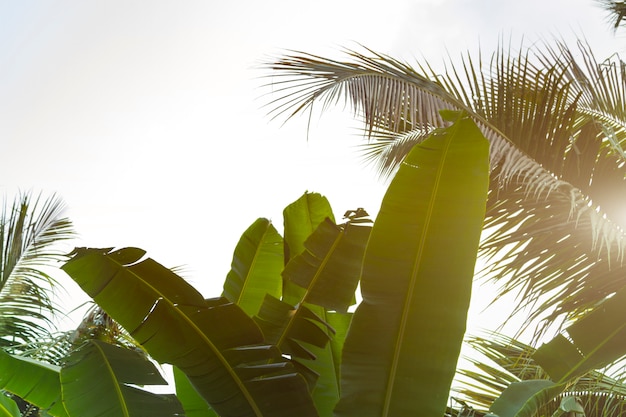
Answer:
(327, 364)
(330, 266)
(524, 398)
(8, 407)
(301, 218)
(220, 349)
(193, 403)
(286, 327)
(256, 267)
(100, 379)
(400, 354)
(36, 382)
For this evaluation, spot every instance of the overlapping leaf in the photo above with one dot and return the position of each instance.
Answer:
(218, 347)
(256, 267)
(100, 379)
(404, 339)
(36, 382)
(557, 131)
(330, 266)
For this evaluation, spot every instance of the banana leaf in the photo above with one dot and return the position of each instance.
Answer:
(594, 341)
(400, 354)
(220, 349)
(524, 398)
(8, 407)
(35, 382)
(287, 327)
(101, 379)
(301, 218)
(256, 267)
(330, 266)
(193, 403)
(326, 391)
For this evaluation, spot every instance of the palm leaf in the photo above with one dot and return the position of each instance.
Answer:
(213, 342)
(404, 339)
(514, 365)
(256, 267)
(30, 232)
(615, 9)
(100, 379)
(556, 130)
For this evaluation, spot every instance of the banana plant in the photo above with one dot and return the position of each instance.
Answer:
(98, 379)
(401, 345)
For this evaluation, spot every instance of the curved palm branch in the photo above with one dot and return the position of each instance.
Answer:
(503, 360)
(30, 230)
(556, 130)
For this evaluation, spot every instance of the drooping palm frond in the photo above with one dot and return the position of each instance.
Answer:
(551, 226)
(615, 9)
(30, 230)
(500, 360)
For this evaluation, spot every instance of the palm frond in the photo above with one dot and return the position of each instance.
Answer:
(615, 9)
(31, 229)
(552, 227)
(500, 360)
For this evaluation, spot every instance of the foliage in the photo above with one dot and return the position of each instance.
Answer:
(556, 126)
(31, 229)
(515, 367)
(227, 356)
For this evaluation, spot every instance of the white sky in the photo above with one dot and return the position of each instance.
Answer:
(145, 116)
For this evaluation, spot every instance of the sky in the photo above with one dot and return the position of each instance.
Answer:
(148, 118)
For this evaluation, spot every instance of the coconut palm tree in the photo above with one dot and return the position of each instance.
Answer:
(31, 229)
(555, 117)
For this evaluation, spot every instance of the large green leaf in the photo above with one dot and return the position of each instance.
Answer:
(100, 379)
(301, 218)
(36, 382)
(327, 363)
(400, 354)
(193, 403)
(220, 349)
(330, 266)
(256, 267)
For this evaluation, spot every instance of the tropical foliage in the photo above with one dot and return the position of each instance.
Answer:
(295, 358)
(31, 229)
(554, 230)
(555, 120)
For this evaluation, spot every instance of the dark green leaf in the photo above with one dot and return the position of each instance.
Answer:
(401, 350)
(207, 339)
(100, 379)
